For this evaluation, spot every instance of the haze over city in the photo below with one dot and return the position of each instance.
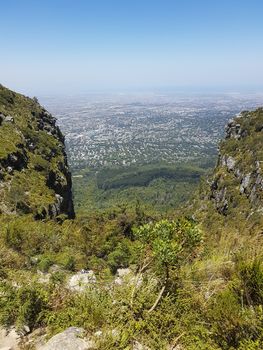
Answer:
(71, 47)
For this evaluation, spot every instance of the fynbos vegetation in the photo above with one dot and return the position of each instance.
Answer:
(128, 276)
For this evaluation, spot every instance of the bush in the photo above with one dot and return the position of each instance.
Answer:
(21, 306)
(120, 257)
(45, 264)
(251, 277)
(231, 323)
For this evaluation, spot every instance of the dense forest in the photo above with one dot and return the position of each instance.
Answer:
(155, 187)
(182, 270)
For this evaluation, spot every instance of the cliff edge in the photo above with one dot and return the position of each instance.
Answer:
(34, 174)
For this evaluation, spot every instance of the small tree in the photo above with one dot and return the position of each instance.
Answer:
(166, 245)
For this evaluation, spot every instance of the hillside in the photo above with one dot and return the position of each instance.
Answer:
(234, 193)
(34, 172)
(128, 278)
(239, 174)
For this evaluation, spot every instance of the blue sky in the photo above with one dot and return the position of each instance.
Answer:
(75, 46)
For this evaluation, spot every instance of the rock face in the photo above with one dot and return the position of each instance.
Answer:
(34, 173)
(81, 280)
(238, 176)
(71, 338)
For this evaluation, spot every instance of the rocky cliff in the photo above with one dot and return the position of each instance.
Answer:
(34, 173)
(237, 182)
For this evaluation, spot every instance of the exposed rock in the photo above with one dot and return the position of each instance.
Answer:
(230, 163)
(55, 209)
(139, 346)
(43, 277)
(9, 119)
(244, 183)
(121, 276)
(81, 280)
(9, 339)
(239, 166)
(33, 143)
(71, 339)
(127, 276)
(14, 161)
(123, 272)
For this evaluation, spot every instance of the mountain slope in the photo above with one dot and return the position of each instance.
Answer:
(34, 174)
(238, 177)
(232, 196)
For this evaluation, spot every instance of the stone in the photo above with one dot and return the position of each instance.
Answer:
(81, 280)
(43, 277)
(9, 119)
(139, 346)
(70, 339)
(9, 339)
(121, 276)
(123, 272)
(230, 163)
(25, 330)
(244, 183)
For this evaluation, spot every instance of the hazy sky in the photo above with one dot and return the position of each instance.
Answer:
(74, 46)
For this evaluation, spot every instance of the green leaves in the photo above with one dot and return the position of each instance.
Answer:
(169, 242)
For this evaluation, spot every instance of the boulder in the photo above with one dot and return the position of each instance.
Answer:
(81, 280)
(71, 338)
(9, 339)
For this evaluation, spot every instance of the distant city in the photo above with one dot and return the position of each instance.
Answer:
(122, 130)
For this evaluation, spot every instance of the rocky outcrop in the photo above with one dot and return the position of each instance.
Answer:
(34, 172)
(239, 173)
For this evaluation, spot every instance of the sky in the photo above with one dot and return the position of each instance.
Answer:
(78, 46)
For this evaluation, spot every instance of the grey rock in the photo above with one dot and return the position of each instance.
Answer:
(139, 346)
(9, 119)
(230, 163)
(80, 281)
(71, 339)
(245, 183)
(9, 339)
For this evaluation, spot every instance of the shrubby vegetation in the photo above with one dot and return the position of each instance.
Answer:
(185, 289)
(195, 278)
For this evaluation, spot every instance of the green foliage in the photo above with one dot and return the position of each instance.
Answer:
(120, 256)
(45, 264)
(22, 306)
(157, 187)
(251, 277)
(170, 243)
(31, 149)
(126, 177)
(212, 271)
(231, 323)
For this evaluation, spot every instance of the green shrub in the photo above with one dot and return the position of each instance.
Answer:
(251, 277)
(21, 306)
(45, 264)
(120, 257)
(231, 323)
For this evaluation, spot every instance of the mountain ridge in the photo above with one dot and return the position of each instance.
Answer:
(34, 172)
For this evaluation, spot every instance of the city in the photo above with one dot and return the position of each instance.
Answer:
(122, 130)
